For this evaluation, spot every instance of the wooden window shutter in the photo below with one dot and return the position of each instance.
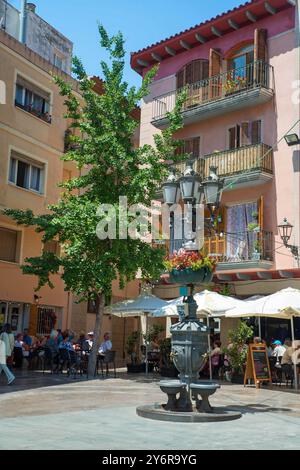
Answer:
(245, 133)
(189, 68)
(196, 147)
(215, 62)
(260, 44)
(232, 138)
(249, 57)
(260, 204)
(256, 132)
(238, 136)
(200, 70)
(180, 79)
(188, 146)
(8, 245)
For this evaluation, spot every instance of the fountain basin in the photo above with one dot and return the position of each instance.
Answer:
(171, 388)
(159, 413)
(205, 390)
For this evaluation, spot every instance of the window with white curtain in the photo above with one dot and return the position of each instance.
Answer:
(25, 173)
(240, 241)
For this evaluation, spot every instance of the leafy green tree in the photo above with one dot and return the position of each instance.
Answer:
(110, 167)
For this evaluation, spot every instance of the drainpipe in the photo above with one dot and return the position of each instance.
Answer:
(23, 22)
(296, 117)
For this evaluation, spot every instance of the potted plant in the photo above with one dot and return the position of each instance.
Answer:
(256, 255)
(234, 83)
(167, 367)
(188, 267)
(236, 351)
(132, 345)
(253, 227)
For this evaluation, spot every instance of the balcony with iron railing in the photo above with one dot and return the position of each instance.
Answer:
(246, 249)
(238, 250)
(245, 166)
(235, 89)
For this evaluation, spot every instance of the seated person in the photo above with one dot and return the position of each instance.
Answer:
(52, 343)
(81, 340)
(66, 343)
(87, 344)
(106, 345)
(18, 351)
(286, 361)
(26, 338)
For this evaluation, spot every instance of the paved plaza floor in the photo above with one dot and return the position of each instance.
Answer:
(57, 412)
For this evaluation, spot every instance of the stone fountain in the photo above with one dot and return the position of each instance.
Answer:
(188, 398)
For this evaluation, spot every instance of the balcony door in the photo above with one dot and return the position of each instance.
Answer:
(240, 241)
(240, 70)
(193, 76)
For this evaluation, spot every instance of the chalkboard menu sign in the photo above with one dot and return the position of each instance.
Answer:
(258, 367)
(261, 366)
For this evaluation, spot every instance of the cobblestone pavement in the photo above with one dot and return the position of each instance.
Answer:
(57, 412)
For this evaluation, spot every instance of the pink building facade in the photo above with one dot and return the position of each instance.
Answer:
(241, 71)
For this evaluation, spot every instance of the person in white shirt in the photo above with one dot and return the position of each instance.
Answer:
(279, 350)
(3, 367)
(106, 345)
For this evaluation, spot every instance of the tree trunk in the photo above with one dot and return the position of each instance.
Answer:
(100, 304)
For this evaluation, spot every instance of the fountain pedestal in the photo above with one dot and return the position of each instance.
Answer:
(189, 346)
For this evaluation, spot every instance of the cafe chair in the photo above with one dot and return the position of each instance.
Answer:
(153, 358)
(109, 358)
(48, 360)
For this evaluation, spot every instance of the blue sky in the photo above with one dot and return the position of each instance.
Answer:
(140, 24)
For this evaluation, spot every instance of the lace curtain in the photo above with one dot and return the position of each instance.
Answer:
(240, 242)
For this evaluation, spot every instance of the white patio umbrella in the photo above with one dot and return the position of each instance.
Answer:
(256, 297)
(142, 306)
(210, 303)
(283, 304)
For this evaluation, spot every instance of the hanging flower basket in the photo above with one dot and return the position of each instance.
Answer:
(188, 276)
(187, 267)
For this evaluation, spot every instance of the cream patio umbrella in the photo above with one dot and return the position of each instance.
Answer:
(209, 303)
(142, 306)
(282, 304)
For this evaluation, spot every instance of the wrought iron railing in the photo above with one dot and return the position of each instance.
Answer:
(253, 75)
(242, 160)
(234, 247)
(241, 246)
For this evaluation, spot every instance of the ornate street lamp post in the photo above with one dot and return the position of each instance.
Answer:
(213, 188)
(189, 336)
(171, 193)
(285, 232)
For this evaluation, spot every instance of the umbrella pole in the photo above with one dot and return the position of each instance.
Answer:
(124, 333)
(147, 366)
(295, 365)
(259, 327)
(209, 349)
